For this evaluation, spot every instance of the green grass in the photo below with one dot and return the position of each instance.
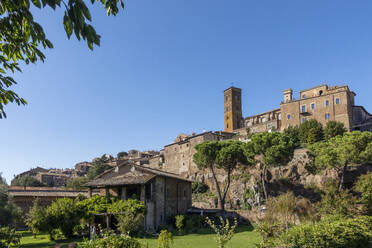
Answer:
(244, 237)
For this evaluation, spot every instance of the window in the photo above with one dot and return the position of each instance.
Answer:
(304, 96)
(279, 116)
(327, 103)
(303, 119)
(288, 117)
(320, 92)
(313, 106)
(337, 100)
(227, 117)
(327, 116)
(303, 108)
(227, 125)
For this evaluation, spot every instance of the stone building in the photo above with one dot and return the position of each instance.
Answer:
(24, 197)
(177, 157)
(323, 103)
(164, 194)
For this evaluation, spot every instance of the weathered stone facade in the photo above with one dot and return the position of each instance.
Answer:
(323, 103)
(164, 194)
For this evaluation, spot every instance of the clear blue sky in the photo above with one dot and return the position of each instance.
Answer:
(162, 68)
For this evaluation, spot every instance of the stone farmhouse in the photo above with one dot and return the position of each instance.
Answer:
(164, 194)
(323, 103)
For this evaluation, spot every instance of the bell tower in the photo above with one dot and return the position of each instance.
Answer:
(232, 108)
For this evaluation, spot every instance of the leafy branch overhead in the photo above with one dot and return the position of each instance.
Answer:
(21, 37)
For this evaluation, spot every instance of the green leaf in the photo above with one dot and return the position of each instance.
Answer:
(37, 3)
(67, 25)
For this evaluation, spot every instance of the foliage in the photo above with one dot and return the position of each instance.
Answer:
(9, 212)
(333, 129)
(364, 186)
(36, 218)
(77, 183)
(9, 238)
(310, 131)
(94, 205)
(293, 133)
(194, 223)
(335, 202)
(22, 38)
(224, 232)
(129, 214)
(331, 233)
(270, 231)
(110, 240)
(284, 206)
(341, 151)
(199, 187)
(180, 219)
(273, 148)
(27, 181)
(62, 214)
(99, 165)
(225, 155)
(165, 239)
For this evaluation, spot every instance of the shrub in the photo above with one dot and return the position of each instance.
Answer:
(199, 187)
(334, 128)
(193, 223)
(180, 222)
(9, 238)
(310, 131)
(111, 241)
(165, 239)
(342, 233)
(364, 186)
(293, 133)
(129, 214)
(64, 215)
(224, 231)
(36, 218)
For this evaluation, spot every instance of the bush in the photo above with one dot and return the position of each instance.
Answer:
(194, 223)
(111, 241)
(199, 187)
(129, 214)
(64, 215)
(342, 233)
(9, 238)
(180, 222)
(310, 131)
(224, 231)
(364, 186)
(165, 239)
(293, 133)
(334, 128)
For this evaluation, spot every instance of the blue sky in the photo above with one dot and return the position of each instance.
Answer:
(162, 68)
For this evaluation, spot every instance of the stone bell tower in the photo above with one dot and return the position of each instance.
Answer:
(232, 108)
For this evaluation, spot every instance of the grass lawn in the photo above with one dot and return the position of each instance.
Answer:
(243, 238)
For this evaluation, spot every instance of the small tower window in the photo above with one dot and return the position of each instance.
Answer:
(327, 103)
(337, 100)
(304, 96)
(313, 106)
(288, 117)
(320, 92)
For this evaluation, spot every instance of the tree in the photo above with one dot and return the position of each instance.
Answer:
(272, 149)
(36, 218)
(341, 151)
(223, 155)
(310, 131)
(9, 212)
(364, 186)
(293, 133)
(224, 232)
(334, 128)
(77, 183)
(99, 165)
(22, 37)
(27, 181)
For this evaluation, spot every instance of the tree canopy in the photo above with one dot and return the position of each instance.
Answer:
(9, 212)
(27, 181)
(334, 128)
(311, 131)
(22, 38)
(341, 151)
(99, 165)
(225, 155)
